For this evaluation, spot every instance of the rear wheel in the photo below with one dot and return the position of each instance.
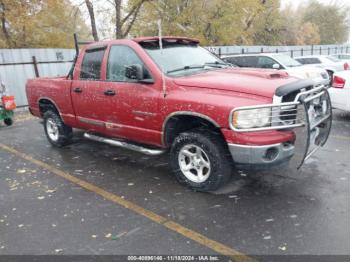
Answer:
(56, 131)
(8, 121)
(200, 160)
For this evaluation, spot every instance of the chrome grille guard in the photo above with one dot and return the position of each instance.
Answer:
(311, 112)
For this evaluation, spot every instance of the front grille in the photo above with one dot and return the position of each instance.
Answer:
(290, 97)
(289, 113)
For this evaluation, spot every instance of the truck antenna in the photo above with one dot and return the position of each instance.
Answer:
(161, 53)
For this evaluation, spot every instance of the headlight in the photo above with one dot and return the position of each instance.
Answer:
(249, 118)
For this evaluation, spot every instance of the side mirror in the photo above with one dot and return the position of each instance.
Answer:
(134, 72)
(276, 66)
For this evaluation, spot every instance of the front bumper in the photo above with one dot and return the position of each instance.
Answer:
(252, 156)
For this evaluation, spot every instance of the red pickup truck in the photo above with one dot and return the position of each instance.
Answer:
(150, 95)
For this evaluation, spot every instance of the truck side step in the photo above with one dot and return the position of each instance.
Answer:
(113, 142)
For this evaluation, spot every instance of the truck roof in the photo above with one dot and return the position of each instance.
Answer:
(169, 38)
(184, 40)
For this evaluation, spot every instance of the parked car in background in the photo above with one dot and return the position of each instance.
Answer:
(340, 91)
(342, 57)
(329, 63)
(280, 62)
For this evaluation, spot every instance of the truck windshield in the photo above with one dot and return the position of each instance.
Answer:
(179, 59)
(286, 60)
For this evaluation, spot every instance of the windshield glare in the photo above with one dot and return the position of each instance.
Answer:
(175, 57)
(287, 60)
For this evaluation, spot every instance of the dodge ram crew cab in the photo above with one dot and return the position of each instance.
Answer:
(154, 95)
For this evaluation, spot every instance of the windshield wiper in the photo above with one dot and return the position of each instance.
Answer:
(216, 64)
(185, 68)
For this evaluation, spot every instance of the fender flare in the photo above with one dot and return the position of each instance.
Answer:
(185, 113)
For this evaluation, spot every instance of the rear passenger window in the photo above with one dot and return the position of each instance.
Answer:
(91, 66)
(244, 61)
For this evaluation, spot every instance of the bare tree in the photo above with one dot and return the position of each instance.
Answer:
(90, 8)
(124, 24)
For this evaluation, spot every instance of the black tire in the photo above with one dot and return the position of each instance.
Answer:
(8, 121)
(215, 148)
(65, 132)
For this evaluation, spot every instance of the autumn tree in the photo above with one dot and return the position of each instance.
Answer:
(211, 21)
(37, 23)
(331, 21)
(308, 34)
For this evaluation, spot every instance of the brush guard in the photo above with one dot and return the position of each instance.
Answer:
(309, 117)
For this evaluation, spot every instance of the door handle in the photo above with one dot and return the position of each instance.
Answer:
(77, 90)
(109, 92)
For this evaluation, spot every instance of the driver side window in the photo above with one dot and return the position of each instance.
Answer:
(119, 58)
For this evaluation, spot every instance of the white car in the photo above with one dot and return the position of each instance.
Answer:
(281, 62)
(340, 91)
(342, 57)
(329, 63)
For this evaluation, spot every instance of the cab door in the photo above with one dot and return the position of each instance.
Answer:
(133, 109)
(87, 94)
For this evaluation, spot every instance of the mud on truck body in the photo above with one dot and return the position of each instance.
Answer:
(156, 95)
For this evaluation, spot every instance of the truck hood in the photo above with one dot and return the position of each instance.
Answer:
(258, 82)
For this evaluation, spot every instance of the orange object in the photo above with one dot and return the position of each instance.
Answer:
(9, 102)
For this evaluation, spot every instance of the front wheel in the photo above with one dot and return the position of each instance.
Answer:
(56, 131)
(200, 160)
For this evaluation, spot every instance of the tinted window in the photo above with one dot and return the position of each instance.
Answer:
(309, 60)
(91, 66)
(344, 56)
(266, 62)
(119, 58)
(244, 61)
